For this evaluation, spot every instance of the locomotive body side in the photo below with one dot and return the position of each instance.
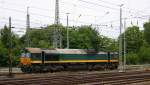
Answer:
(68, 59)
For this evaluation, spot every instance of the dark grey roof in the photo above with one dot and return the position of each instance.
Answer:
(64, 51)
(34, 50)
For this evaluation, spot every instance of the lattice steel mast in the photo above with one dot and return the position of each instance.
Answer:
(57, 37)
(27, 28)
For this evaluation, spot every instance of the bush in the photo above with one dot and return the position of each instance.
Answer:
(4, 59)
(132, 58)
(144, 55)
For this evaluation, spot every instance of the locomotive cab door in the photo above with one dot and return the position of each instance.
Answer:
(43, 57)
(109, 58)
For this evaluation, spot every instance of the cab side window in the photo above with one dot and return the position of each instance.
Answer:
(36, 56)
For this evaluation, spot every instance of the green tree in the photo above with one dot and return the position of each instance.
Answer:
(42, 38)
(5, 43)
(134, 39)
(108, 44)
(147, 32)
(3, 55)
(84, 37)
(144, 54)
(132, 58)
(5, 36)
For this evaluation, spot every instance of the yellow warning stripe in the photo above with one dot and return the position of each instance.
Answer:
(75, 61)
(80, 61)
(36, 61)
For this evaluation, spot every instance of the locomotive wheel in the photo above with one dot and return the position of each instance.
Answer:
(51, 69)
(90, 67)
(54, 68)
(59, 68)
(28, 69)
(23, 69)
(37, 68)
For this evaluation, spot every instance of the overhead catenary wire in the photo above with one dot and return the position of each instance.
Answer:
(31, 13)
(99, 5)
(65, 12)
(69, 20)
(112, 21)
(34, 7)
(19, 20)
(83, 6)
(36, 14)
(100, 24)
(109, 7)
(109, 2)
(43, 9)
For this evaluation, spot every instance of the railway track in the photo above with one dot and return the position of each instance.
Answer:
(81, 78)
(119, 82)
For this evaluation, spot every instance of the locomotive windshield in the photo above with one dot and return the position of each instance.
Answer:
(36, 56)
(25, 55)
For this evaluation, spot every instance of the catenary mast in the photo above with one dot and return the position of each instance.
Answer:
(57, 37)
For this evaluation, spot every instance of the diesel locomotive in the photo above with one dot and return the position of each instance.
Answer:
(51, 60)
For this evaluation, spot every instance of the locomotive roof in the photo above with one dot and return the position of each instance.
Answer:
(34, 50)
(73, 51)
(66, 51)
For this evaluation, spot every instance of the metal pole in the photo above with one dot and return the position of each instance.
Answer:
(27, 28)
(124, 44)
(57, 19)
(67, 31)
(120, 42)
(57, 37)
(10, 49)
(60, 37)
(137, 22)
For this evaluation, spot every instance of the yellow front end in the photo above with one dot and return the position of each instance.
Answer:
(25, 61)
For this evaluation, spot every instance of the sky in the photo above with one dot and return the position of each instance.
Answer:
(103, 15)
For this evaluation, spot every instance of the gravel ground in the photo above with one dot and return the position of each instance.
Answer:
(6, 69)
(142, 83)
(131, 67)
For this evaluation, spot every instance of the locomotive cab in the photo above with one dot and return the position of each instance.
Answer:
(25, 58)
(29, 58)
